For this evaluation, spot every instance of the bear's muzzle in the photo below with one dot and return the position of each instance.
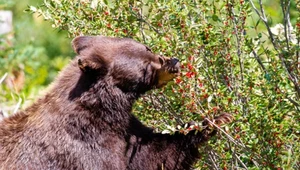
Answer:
(169, 70)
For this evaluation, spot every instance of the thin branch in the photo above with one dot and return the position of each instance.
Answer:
(207, 72)
(212, 158)
(297, 105)
(286, 19)
(3, 78)
(263, 17)
(259, 61)
(170, 108)
(141, 25)
(240, 161)
(172, 112)
(141, 19)
(238, 43)
(226, 134)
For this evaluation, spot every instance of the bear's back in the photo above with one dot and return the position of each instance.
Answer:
(57, 141)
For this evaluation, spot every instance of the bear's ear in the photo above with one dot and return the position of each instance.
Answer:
(82, 42)
(86, 65)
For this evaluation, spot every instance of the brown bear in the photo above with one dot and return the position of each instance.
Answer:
(85, 120)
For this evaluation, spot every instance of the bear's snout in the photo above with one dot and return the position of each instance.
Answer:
(174, 66)
(174, 61)
(169, 70)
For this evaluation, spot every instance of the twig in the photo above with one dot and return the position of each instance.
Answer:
(286, 19)
(259, 61)
(263, 17)
(178, 121)
(18, 105)
(241, 162)
(209, 78)
(229, 137)
(3, 78)
(234, 151)
(155, 106)
(246, 149)
(141, 19)
(212, 158)
(297, 105)
(238, 43)
(140, 14)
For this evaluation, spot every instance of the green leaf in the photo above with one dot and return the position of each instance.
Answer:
(259, 35)
(215, 17)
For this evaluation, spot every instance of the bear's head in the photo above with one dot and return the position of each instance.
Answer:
(124, 63)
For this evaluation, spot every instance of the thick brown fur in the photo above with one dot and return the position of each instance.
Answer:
(85, 120)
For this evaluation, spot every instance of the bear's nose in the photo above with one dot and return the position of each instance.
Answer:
(174, 61)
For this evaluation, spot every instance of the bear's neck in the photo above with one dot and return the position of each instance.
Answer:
(74, 93)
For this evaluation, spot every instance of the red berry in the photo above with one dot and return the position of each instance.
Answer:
(190, 67)
(189, 74)
(178, 80)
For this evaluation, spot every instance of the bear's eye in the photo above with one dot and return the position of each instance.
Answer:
(148, 49)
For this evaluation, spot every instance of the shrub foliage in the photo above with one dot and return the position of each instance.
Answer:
(233, 61)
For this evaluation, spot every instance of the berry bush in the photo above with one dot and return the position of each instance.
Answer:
(235, 59)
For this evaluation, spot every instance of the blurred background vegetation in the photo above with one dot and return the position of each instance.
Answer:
(230, 64)
(30, 56)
